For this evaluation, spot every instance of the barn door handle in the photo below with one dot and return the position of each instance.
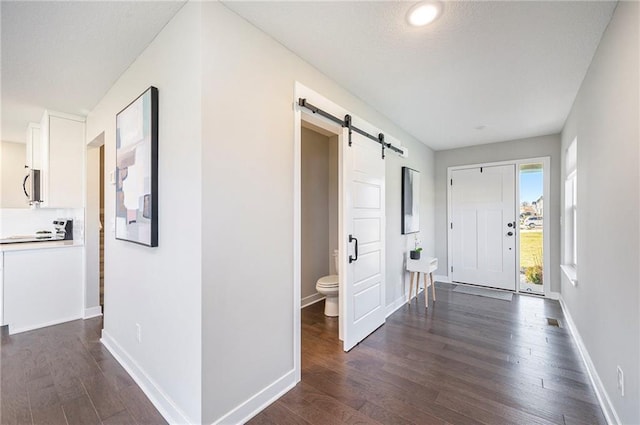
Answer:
(24, 185)
(351, 258)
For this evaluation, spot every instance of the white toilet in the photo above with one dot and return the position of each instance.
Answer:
(328, 286)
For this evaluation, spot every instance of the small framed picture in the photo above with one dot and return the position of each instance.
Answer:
(410, 201)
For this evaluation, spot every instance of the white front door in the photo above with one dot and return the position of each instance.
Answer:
(483, 226)
(363, 239)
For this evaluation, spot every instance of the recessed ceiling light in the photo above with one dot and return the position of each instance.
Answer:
(424, 13)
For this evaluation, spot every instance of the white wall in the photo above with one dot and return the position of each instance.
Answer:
(334, 204)
(247, 257)
(421, 158)
(314, 210)
(27, 221)
(606, 301)
(160, 288)
(504, 151)
(12, 172)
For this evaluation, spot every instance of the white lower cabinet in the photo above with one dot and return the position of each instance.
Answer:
(42, 287)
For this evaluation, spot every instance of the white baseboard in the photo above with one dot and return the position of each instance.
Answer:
(259, 401)
(92, 312)
(603, 397)
(553, 295)
(158, 398)
(311, 299)
(441, 278)
(394, 306)
(13, 331)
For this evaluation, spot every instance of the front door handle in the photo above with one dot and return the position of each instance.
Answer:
(351, 258)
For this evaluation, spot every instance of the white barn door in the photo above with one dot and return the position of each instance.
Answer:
(363, 233)
(483, 226)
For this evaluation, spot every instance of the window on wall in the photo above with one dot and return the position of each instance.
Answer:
(571, 212)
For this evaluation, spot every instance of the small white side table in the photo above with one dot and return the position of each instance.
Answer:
(425, 265)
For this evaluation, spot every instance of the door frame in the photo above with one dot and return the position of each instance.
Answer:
(546, 194)
(300, 114)
(92, 235)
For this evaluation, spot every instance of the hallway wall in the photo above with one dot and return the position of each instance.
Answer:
(605, 303)
(160, 288)
(247, 198)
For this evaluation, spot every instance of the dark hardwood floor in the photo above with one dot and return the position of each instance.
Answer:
(62, 375)
(467, 360)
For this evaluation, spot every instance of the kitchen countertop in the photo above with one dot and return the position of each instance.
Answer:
(23, 246)
(31, 238)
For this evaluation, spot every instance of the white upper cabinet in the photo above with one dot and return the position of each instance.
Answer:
(63, 148)
(34, 147)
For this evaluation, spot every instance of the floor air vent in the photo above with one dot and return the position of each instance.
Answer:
(553, 322)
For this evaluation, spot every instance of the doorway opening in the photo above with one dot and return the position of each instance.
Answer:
(102, 227)
(320, 277)
(497, 232)
(361, 149)
(94, 227)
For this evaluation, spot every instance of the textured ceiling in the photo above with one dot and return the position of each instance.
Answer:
(512, 67)
(65, 55)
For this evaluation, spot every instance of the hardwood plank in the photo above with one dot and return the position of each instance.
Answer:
(468, 359)
(121, 418)
(278, 414)
(14, 403)
(140, 407)
(80, 411)
(296, 401)
(261, 419)
(52, 415)
(11, 414)
(104, 398)
(383, 415)
(44, 397)
(115, 374)
(61, 375)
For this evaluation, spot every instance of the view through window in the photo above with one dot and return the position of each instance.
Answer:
(531, 228)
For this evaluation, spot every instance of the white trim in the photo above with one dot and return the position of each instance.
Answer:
(311, 299)
(13, 331)
(553, 295)
(546, 225)
(394, 306)
(570, 272)
(64, 115)
(609, 411)
(297, 239)
(92, 312)
(441, 278)
(259, 401)
(167, 408)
